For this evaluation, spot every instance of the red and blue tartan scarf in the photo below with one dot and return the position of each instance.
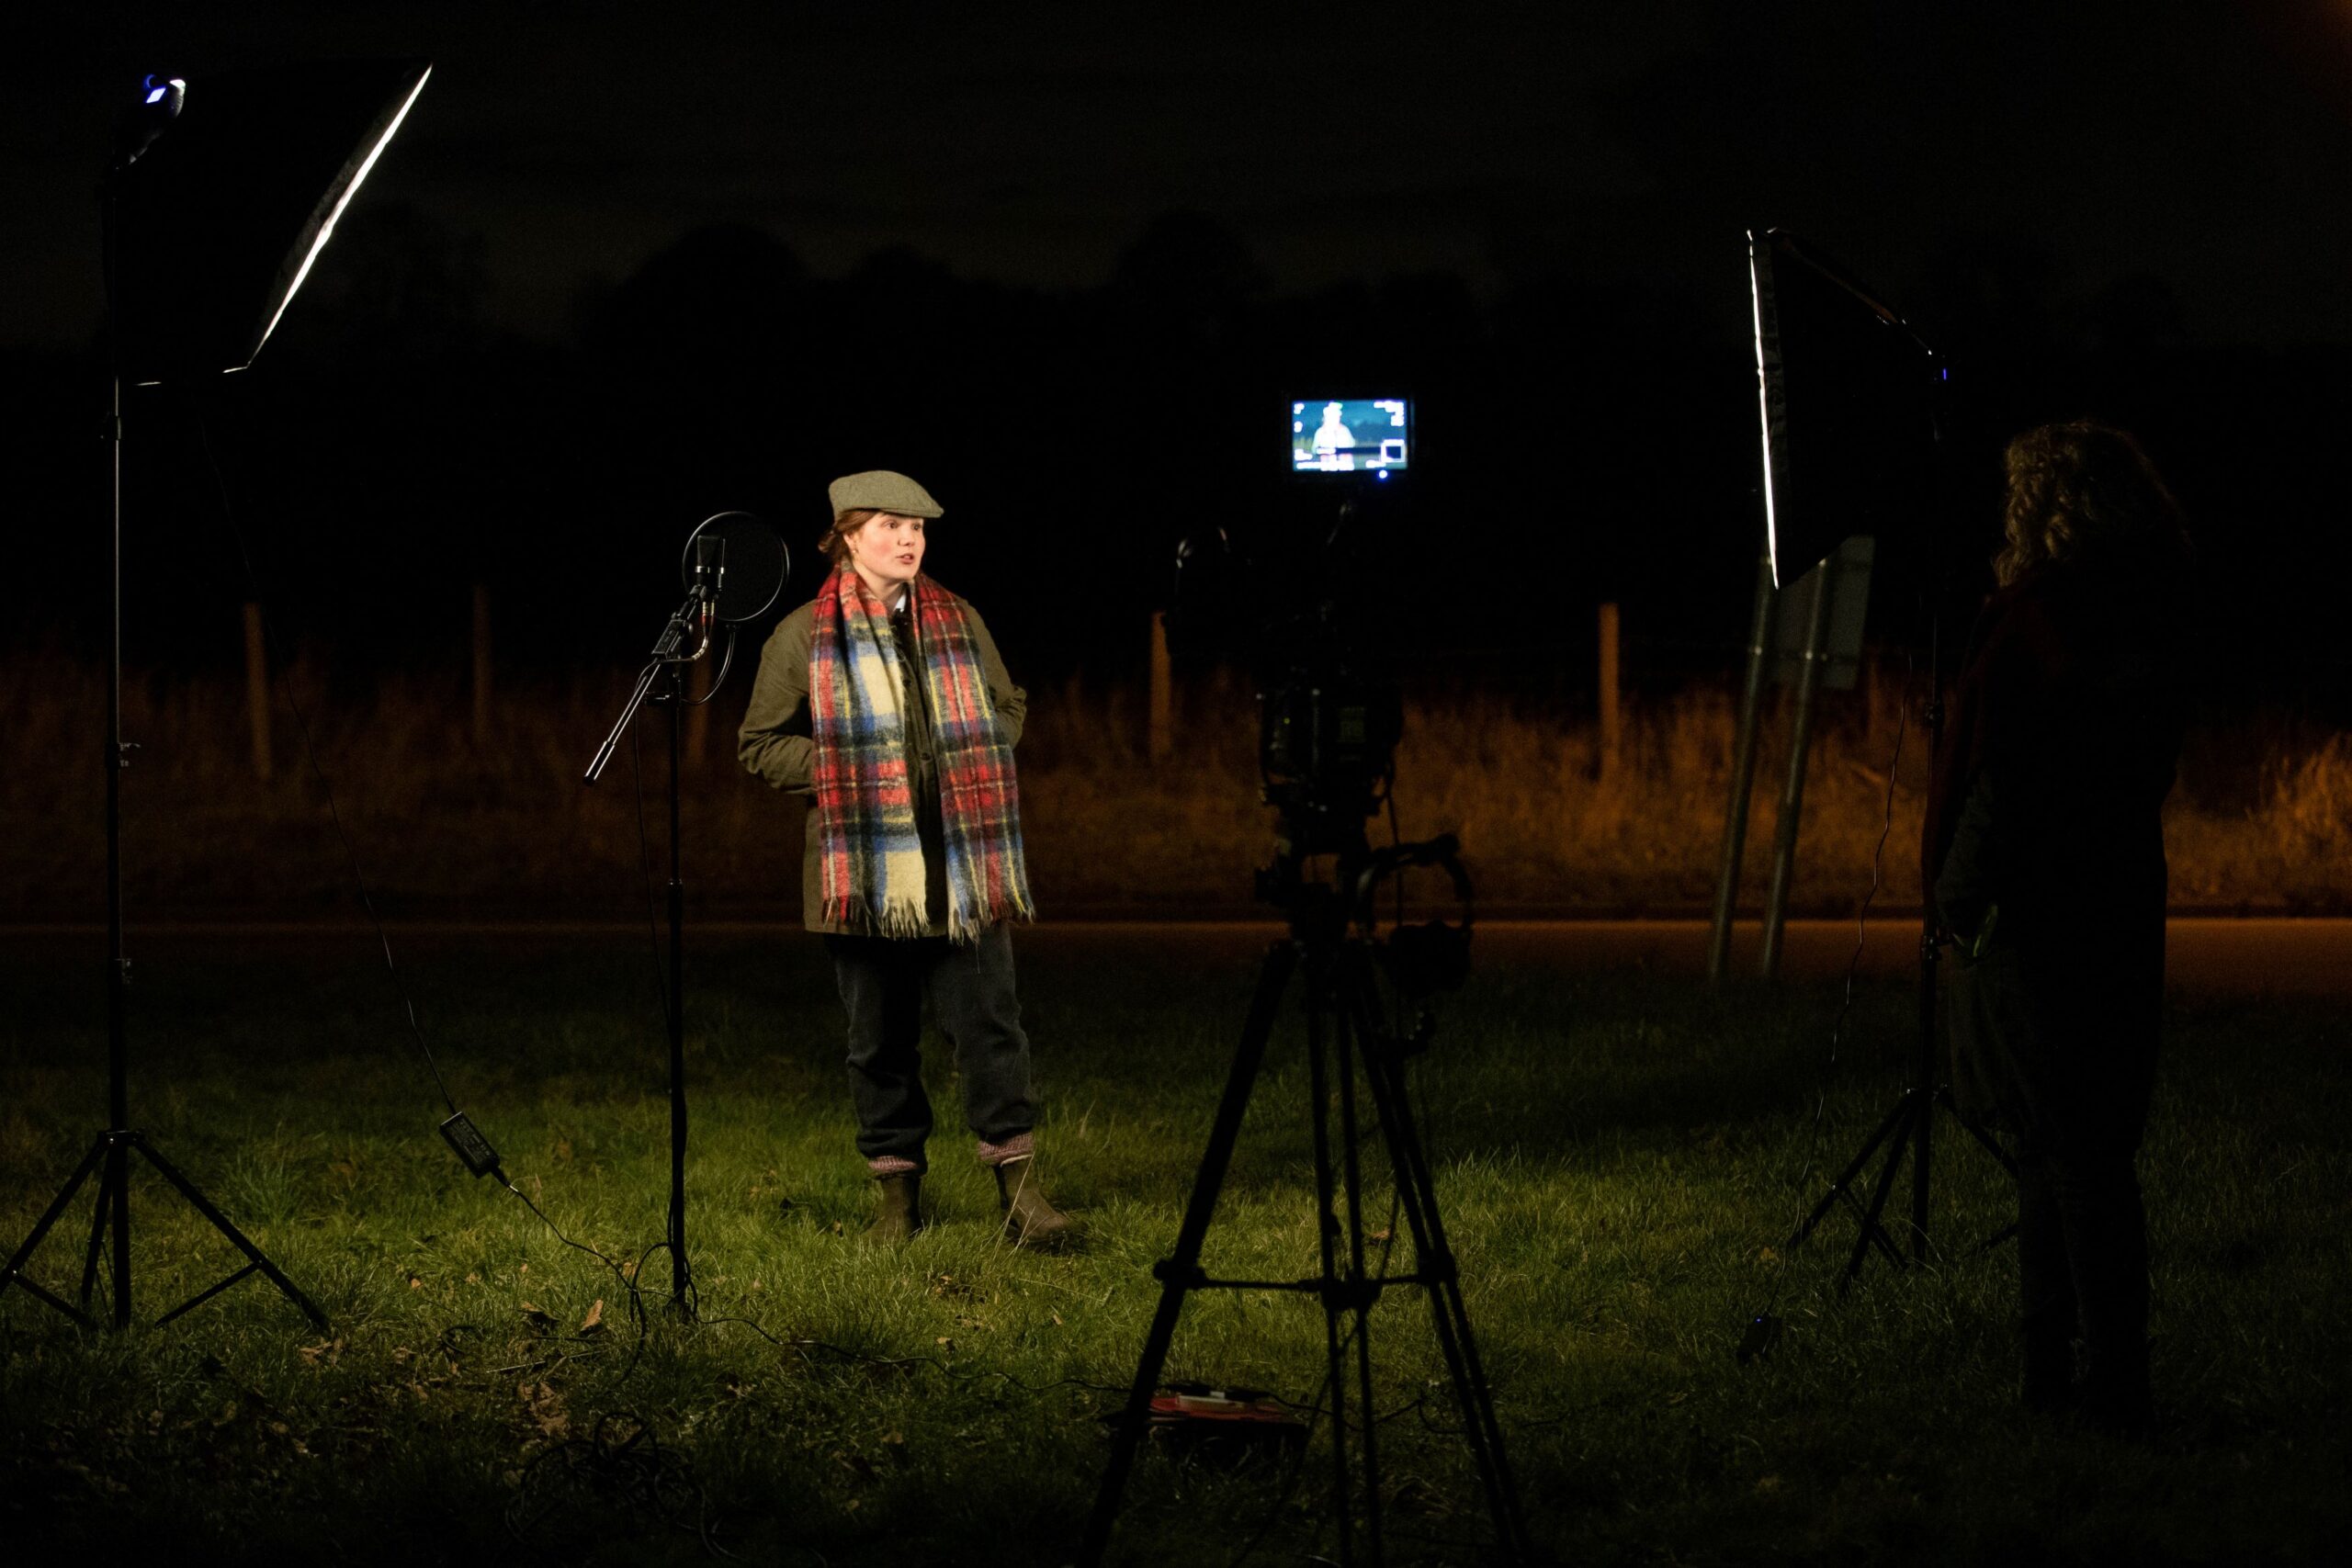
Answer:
(868, 847)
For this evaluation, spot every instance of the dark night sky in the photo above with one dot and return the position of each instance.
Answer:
(2137, 210)
(2209, 144)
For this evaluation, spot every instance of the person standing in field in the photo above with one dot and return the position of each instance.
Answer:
(883, 705)
(2043, 845)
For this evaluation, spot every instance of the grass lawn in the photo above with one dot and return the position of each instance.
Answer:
(1619, 1157)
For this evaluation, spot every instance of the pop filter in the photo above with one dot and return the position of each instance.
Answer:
(756, 564)
(1846, 390)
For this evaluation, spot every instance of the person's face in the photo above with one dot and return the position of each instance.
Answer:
(887, 552)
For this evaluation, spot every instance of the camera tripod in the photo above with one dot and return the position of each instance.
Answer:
(1346, 1034)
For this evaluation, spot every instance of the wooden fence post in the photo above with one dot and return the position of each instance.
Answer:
(257, 689)
(1163, 701)
(481, 666)
(1612, 724)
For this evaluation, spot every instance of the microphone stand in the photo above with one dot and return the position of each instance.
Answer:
(667, 665)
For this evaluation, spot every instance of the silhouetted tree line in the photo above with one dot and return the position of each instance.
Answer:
(1586, 436)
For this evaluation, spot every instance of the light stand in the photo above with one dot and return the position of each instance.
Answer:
(716, 594)
(1912, 1120)
(182, 301)
(1854, 427)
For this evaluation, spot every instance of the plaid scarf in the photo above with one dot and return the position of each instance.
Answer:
(869, 850)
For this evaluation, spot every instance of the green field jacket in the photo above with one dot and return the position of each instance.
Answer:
(776, 747)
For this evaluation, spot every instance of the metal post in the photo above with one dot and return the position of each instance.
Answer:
(1785, 829)
(1743, 769)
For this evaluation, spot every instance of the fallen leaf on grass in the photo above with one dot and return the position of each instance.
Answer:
(595, 1321)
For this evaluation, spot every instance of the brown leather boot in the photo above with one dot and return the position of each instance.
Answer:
(1029, 1220)
(900, 1214)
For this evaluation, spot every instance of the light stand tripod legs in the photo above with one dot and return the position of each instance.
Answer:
(113, 1178)
(110, 1156)
(255, 1260)
(1180, 1272)
(14, 1274)
(1842, 1190)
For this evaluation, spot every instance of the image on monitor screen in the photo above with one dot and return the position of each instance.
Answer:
(1350, 436)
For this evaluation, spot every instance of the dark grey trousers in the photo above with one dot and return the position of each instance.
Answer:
(882, 984)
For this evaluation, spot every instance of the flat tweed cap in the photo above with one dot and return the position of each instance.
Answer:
(883, 491)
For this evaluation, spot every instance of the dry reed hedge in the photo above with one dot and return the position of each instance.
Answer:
(442, 824)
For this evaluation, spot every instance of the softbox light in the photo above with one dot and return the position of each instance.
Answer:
(1845, 388)
(214, 225)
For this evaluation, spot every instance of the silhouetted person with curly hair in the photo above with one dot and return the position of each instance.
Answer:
(2044, 849)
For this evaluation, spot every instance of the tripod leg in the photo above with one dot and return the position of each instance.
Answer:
(1360, 1292)
(1923, 1085)
(220, 1221)
(1992, 1145)
(1327, 1240)
(1907, 1109)
(1181, 1271)
(48, 1218)
(113, 1170)
(1434, 1260)
(1844, 1184)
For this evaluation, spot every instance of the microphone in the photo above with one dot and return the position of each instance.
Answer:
(711, 572)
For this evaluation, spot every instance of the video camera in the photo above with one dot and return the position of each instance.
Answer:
(1296, 598)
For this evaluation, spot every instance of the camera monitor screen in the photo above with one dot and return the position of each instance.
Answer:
(1350, 436)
